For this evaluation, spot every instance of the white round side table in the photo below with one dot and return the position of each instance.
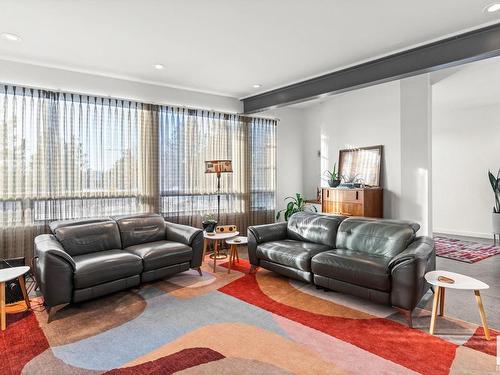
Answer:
(7, 274)
(233, 250)
(439, 279)
(213, 236)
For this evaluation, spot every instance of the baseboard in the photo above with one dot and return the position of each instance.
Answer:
(463, 233)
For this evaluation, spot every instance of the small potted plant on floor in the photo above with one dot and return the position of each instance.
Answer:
(209, 222)
(293, 205)
(333, 177)
(495, 185)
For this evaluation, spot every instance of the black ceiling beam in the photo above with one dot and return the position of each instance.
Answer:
(471, 46)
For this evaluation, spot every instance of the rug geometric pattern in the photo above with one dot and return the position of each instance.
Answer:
(240, 323)
(463, 251)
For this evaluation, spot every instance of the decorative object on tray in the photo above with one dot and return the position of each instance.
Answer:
(495, 218)
(463, 251)
(446, 280)
(209, 222)
(218, 166)
(333, 177)
(293, 205)
(361, 165)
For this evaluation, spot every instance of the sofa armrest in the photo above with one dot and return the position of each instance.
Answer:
(188, 236)
(408, 270)
(54, 269)
(258, 234)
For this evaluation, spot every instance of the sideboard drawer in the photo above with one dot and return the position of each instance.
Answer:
(353, 202)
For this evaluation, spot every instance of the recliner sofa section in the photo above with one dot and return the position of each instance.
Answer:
(379, 260)
(89, 258)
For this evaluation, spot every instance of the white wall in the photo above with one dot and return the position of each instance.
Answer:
(289, 153)
(466, 143)
(64, 80)
(416, 160)
(365, 117)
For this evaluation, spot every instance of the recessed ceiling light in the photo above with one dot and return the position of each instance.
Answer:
(158, 66)
(10, 37)
(257, 86)
(492, 8)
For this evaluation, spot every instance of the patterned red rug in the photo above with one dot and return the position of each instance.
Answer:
(256, 323)
(464, 251)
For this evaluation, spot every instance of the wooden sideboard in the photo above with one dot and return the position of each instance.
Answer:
(366, 202)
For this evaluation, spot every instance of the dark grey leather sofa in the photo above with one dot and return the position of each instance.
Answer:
(380, 260)
(84, 259)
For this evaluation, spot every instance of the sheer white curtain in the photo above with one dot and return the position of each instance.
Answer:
(70, 156)
(65, 156)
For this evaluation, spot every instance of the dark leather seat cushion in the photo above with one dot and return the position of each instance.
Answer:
(295, 254)
(354, 267)
(104, 266)
(160, 254)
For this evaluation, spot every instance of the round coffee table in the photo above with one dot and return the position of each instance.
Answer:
(213, 236)
(7, 274)
(442, 280)
(233, 250)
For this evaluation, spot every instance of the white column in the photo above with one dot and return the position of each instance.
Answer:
(416, 158)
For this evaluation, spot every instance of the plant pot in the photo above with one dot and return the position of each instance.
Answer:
(495, 220)
(334, 183)
(209, 226)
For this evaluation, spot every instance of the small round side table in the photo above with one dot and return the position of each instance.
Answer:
(7, 274)
(439, 278)
(233, 250)
(213, 236)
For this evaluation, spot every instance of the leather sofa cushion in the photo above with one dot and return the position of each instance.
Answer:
(313, 227)
(78, 239)
(160, 254)
(295, 254)
(104, 266)
(354, 267)
(141, 228)
(381, 237)
(54, 225)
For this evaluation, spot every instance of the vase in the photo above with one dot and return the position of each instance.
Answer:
(495, 219)
(333, 183)
(209, 226)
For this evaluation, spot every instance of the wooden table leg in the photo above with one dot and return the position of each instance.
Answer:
(231, 258)
(25, 293)
(216, 252)
(2, 307)
(483, 314)
(441, 302)
(236, 252)
(434, 309)
(205, 246)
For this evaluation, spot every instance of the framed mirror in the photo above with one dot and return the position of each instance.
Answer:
(361, 165)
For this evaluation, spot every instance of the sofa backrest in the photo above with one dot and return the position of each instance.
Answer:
(313, 227)
(85, 236)
(140, 228)
(376, 236)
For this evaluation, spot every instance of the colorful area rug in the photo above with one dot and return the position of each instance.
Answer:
(464, 251)
(238, 323)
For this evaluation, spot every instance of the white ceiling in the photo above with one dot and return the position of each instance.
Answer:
(224, 46)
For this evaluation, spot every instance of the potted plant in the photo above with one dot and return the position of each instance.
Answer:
(294, 204)
(333, 177)
(495, 185)
(209, 222)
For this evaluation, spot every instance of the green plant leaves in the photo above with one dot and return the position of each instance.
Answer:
(495, 185)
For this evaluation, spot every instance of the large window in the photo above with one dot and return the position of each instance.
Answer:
(188, 138)
(65, 156)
